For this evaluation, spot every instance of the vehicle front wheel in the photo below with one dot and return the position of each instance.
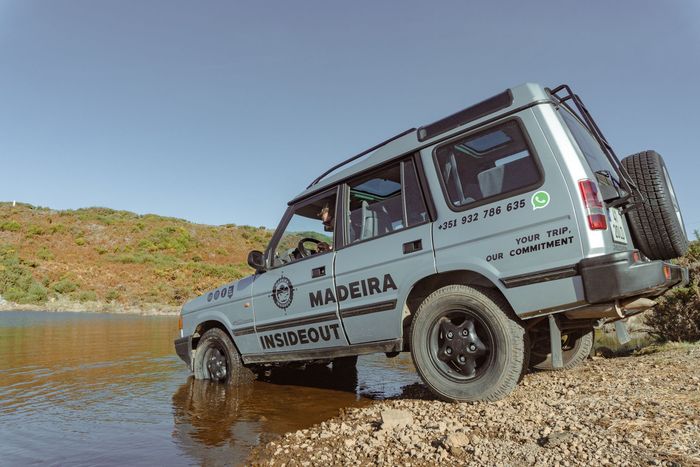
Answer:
(467, 344)
(217, 359)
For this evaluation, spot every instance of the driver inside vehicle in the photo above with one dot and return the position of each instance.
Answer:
(327, 220)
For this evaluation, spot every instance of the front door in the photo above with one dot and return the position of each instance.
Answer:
(300, 260)
(388, 247)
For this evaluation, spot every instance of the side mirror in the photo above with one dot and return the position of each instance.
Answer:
(256, 260)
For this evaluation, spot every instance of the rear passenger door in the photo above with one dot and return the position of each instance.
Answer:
(387, 246)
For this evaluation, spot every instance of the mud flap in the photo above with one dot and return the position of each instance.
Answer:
(623, 336)
(555, 340)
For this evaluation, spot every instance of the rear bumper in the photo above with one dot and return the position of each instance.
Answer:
(183, 349)
(610, 277)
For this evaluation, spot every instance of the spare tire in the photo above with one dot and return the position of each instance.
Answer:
(656, 223)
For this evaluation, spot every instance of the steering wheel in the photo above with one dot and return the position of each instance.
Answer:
(302, 249)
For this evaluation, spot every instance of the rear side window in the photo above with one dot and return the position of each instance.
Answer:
(490, 164)
(590, 148)
(384, 202)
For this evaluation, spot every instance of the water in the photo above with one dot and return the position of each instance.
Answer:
(86, 389)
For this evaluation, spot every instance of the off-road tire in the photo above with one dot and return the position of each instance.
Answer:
(216, 340)
(657, 225)
(499, 372)
(573, 353)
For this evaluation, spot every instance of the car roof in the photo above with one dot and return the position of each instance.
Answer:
(412, 140)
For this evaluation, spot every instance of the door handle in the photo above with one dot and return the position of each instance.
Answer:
(410, 247)
(318, 272)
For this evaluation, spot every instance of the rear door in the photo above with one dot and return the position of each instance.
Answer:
(388, 246)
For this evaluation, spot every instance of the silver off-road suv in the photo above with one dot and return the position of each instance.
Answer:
(485, 243)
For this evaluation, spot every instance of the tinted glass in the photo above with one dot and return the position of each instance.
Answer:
(487, 164)
(375, 206)
(384, 202)
(590, 148)
(314, 221)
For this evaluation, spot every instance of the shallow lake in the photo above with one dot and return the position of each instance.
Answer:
(88, 388)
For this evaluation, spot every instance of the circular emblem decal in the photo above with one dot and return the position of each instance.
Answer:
(282, 293)
(539, 200)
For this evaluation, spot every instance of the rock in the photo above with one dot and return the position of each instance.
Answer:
(557, 438)
(455, 443)
(394, 418)
(349, 442)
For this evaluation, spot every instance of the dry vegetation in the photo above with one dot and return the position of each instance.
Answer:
(99, 254)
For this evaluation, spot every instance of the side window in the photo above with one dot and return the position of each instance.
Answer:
(384, 202)
(308, 232)
(486, 164)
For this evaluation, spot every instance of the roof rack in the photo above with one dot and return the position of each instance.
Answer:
(363, 153)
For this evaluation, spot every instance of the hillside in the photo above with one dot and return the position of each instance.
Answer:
(118, 257)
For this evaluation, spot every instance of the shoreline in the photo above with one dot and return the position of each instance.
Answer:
(93, 307)
(636, 410)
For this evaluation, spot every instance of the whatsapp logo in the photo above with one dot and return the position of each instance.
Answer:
(539, 200)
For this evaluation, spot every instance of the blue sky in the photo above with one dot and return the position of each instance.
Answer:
(220, 111)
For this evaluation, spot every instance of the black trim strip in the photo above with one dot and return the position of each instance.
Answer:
(297, 322)
(394, 345)
(492, 104)
(423, 183)
(366, 309)
(540, 276)
(243, 331)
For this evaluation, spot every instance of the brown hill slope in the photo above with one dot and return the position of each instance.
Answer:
(99, 254)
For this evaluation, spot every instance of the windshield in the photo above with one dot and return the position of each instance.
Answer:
(606, 174)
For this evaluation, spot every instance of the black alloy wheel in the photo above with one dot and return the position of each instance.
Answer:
(461, 344)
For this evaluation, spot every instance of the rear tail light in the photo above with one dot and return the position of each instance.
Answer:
(594, 206)
(667, 272)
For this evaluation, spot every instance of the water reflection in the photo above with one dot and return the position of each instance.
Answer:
(79, 388)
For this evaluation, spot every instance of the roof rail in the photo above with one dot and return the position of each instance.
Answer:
(363, 153)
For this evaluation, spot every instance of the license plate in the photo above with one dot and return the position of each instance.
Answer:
(617, 227)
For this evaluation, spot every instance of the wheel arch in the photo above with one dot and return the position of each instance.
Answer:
(204, 326)
(428, 284)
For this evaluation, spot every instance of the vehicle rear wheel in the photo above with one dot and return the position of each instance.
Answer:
(657, 224)
(575, 345)
(217, 359)
(467, 344)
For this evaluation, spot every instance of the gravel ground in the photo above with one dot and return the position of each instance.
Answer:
(635, 410)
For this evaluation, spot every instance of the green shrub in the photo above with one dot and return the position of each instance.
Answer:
(35, 230)
(10, 226)
(80, 241)
(87, 296)
(112, 295)
(17, 283)
(64, 286)
(169, 238)
(45, 254)
(677, 315)
(57, 228)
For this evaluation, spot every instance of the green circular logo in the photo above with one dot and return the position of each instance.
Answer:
(539, 200)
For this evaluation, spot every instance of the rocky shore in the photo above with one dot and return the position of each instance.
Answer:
(635, 410)
(92, 307)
